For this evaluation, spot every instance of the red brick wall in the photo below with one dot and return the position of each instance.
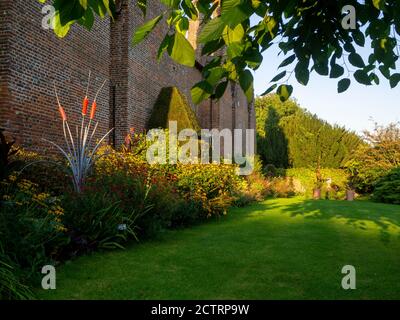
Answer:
(32, 58)
(5, 35)
(35, 59)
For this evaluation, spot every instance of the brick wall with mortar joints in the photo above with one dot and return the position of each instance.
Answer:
(37, 58)
(32, 58)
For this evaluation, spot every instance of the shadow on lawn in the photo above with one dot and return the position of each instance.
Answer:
(358, 214)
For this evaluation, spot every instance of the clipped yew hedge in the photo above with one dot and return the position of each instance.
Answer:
(172, 105)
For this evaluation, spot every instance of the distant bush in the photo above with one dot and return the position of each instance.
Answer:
(374, 160)
(282, 187)
(290, 136)
(306, 180)
(254, 187)
(212, 185)
(387, 188)
(270, 171)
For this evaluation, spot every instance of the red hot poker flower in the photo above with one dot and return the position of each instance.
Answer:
(85, 105)
(62, 113)
(93, 110)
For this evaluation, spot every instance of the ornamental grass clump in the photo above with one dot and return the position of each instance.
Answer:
(78, 151)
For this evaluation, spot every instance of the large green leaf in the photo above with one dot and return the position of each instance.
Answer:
(201, 91)
(362, 77)
(212, 30)
(220, 89)
(214, 75)
(69, 11)
(88, 19)
(101, 7)
(181, 50)
(301, 72)
(59, 29)
(284, 91)
(164, 46)
(356, 60)
(336, 71)
(343, 85)
(235, 34)
(143, 31)
(234, 50)
(246, 83)
(212, 46)
(234, 12)
(253, 58)
(394, 80)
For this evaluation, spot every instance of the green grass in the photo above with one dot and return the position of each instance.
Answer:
(278, 249)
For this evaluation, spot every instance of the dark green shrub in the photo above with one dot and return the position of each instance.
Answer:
(290, 136)
(162, 206)
(305, 180)
(6, 152)
(171, 105)
(49, 173)
(374, 160)
(387, 188)
(187, 213)
(11, 285)
(105, 214)
(282, 187)
(31, 230)
(213, 185)
(270, 171)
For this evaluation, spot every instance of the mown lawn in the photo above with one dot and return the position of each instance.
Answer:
(278, 249)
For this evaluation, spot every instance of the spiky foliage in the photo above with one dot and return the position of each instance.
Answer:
(78, 151)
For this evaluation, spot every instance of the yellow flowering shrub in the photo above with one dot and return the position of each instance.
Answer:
(215, 186)
(24, 194)
(32, 232)
(49, 173)
(111, 161)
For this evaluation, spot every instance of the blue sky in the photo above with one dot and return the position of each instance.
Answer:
(353, 109)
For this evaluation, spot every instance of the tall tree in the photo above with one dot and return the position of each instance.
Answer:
(289, 136)
(375, 159)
